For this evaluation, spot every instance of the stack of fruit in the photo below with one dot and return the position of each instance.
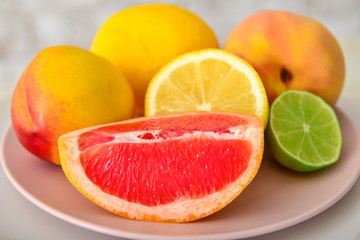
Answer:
(206, 110)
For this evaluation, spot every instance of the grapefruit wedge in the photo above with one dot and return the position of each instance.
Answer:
(170, 168)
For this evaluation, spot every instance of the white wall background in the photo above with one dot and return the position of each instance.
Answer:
(27, 26)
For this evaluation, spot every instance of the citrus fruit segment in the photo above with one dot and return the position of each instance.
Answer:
(173, 168)
(304, 133)
(207, 80)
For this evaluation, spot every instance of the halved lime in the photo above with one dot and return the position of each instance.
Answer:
(303, 132)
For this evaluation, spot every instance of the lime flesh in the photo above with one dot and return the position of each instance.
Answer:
(304, 133)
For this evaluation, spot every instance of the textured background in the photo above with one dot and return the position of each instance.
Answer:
(27, 26)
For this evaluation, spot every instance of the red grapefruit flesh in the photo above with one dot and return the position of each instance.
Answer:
(171, 168)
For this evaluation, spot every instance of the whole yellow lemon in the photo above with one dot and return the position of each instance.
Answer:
(139, 40)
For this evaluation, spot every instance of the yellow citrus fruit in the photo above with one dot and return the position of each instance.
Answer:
(139, 40)
(207, 80)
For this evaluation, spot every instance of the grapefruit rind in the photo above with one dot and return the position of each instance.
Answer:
(181, 210)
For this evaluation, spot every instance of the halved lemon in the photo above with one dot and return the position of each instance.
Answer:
(207, 80)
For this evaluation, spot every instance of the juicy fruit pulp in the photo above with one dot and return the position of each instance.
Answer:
(207, 80)
(164, 182)
(303, 133)
(172, 168)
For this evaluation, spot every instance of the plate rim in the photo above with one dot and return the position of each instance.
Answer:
(135, 235)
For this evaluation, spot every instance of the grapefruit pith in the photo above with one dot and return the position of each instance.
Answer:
(170, 168)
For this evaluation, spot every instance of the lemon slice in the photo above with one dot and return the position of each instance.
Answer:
(207, 80)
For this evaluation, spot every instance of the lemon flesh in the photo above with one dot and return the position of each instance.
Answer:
(207, 80)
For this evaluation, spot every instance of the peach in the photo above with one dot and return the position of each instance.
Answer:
(290, 51)
(65, 88)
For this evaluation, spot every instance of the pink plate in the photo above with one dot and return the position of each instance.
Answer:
(276, 199)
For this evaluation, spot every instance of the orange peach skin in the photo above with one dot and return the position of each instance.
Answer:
(63, 89)
(290, 51)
